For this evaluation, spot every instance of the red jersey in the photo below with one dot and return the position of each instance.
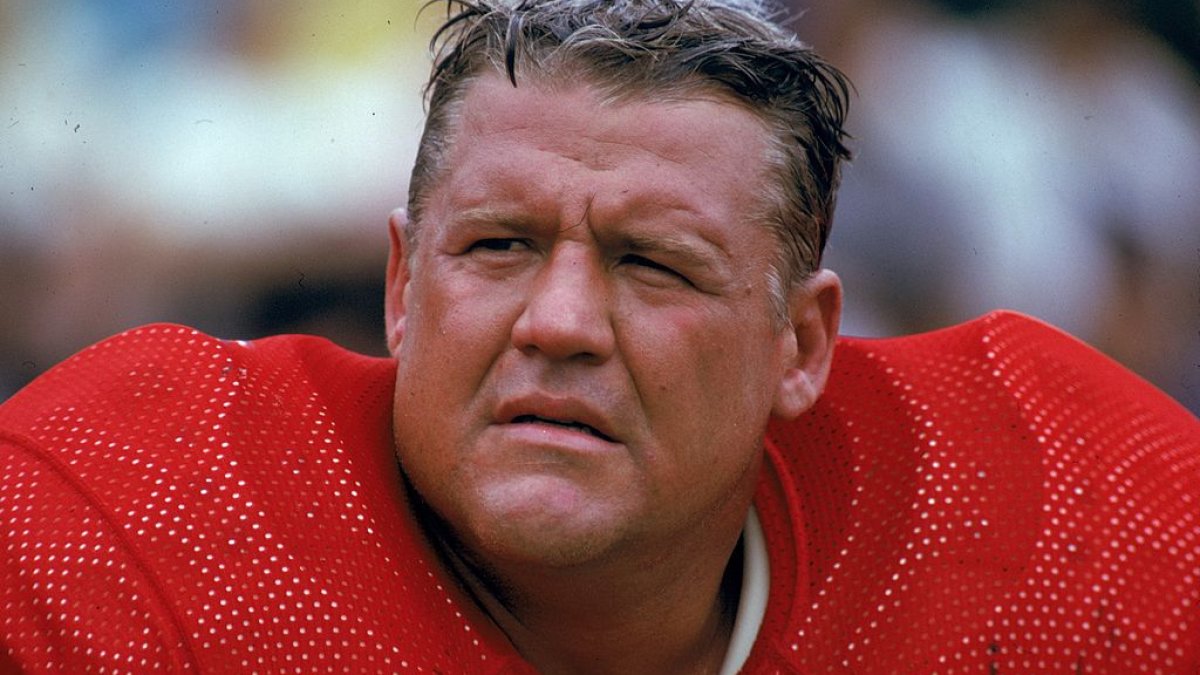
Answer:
(994, 497)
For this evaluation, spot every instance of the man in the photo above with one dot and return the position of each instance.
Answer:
(599, 447)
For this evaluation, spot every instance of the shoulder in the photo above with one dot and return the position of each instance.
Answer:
(1002, 389)
(146, 470)
(163, 368)
(167, 398)
(1003, 359)
(1005, 469)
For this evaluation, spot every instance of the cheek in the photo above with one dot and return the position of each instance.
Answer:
(704, 418)
(703, 376)
(455, 321)
(715, 351)
(453, 337)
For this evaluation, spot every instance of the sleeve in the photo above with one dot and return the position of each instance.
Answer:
(1121, 487)
(73, 596)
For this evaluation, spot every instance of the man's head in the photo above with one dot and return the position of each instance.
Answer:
(658, 50)
(586, 309)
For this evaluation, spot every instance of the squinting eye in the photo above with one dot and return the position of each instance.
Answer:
(496, 245)
(631, 259)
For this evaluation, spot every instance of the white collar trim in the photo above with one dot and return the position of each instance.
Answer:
(752, 604)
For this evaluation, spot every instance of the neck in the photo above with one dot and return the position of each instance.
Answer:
(667, 612)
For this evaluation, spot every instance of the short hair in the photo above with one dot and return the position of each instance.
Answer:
(654, 49)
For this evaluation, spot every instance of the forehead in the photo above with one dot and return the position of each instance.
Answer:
(700, 145)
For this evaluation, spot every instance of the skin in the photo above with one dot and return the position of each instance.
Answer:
(597, 264)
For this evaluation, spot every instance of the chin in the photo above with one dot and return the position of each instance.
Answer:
(544, 521)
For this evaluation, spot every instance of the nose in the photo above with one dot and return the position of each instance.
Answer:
(567, 313)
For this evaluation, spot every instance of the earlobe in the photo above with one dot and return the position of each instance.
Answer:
(398, 276)
(815, 309)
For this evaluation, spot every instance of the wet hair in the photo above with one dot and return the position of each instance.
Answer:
(654, 50)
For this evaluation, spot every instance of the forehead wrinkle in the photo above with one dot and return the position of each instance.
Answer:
(598, 160)
(499, 180)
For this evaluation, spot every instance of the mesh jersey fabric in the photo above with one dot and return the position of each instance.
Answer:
(993, 497)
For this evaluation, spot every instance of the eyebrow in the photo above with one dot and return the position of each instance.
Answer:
(499, 220)
(695, 252)
(486, 215)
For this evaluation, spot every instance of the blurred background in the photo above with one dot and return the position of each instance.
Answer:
(230, 165)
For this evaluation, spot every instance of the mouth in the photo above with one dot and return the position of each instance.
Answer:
(566, 424)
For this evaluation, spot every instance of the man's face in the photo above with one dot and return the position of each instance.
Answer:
(587, 356)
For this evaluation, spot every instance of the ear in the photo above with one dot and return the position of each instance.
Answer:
(815, 311)
(395, 302)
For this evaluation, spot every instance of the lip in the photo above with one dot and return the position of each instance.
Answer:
(512, 411)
